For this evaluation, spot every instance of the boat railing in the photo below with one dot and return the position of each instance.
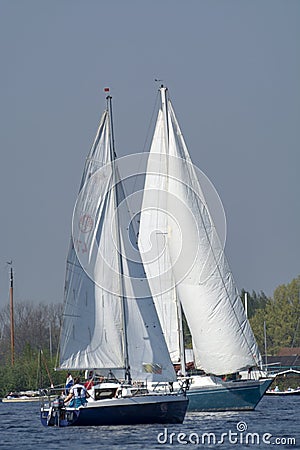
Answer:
(162, 387)
(49, 394)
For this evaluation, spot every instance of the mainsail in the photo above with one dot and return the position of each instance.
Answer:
(191, 258)
(110, 321)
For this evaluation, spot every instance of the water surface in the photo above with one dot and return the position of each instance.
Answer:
(274, 424)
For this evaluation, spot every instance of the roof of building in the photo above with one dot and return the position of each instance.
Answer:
(289, 351)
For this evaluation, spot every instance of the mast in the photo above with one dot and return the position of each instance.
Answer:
(50, 340)
(12, 324)
(115, 181)
(265, 342)
(164, 104)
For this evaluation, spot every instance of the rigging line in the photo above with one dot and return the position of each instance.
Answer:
(217, 260)
(73, 264)
(70, 315)
(298, 321)
(224, 285)
(146, 140)
(207, 235)
(151, 121)
(89, 158)
(161, 208)
(165, 102)
(96, 141)
(296, 332)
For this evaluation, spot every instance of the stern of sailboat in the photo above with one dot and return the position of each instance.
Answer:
(143, 409)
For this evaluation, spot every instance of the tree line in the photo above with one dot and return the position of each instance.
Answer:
(281, 316)
(37, 329)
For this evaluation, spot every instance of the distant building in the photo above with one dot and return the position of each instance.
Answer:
(287, 358)
(289, 351)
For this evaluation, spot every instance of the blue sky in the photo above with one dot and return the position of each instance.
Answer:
(233, 71)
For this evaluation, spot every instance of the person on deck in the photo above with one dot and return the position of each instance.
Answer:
(78, 394)
(69, 383)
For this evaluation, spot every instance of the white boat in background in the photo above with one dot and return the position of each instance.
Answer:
(110, 322)
(187, 269)
(289, 376)
(22, 396)
(289, 391)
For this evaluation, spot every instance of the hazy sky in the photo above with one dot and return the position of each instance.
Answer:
(233, 71)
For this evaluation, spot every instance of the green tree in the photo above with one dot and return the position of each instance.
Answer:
(281, 315)
(255, 301)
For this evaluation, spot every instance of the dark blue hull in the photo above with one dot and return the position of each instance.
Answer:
(230, 396)
(166, 409)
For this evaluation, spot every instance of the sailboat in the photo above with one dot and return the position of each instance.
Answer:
(187, 271)
(110, 324)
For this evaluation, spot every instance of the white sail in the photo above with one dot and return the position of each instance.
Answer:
(223, 341)
(110, 321)
(92, 316)
(153, 241)
(148, 353)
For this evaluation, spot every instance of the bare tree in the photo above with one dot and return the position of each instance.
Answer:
(36, 327)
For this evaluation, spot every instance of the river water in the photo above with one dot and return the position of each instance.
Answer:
(274, 424)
